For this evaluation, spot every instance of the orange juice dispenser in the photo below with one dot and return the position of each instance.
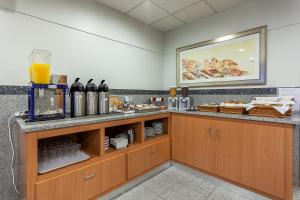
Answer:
(39, 69)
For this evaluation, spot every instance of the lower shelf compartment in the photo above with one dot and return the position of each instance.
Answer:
(64, 161)
(155, 137)
(113, 150)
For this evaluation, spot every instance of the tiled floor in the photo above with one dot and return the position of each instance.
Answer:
(175, 184)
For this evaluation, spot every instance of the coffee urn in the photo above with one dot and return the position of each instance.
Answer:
(103, 92)
(184, 100)
(173, 100)
(78, 101)
(91, 98)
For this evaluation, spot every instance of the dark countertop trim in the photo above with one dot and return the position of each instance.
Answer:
(69, 122)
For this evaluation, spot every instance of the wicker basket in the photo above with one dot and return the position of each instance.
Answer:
(208, 108)
(268, 111)
(233, 110)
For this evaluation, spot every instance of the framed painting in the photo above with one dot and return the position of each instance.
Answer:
(236, 59)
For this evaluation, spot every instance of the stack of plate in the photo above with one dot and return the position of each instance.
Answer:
(106, 143)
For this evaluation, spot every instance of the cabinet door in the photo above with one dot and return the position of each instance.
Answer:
(252, 154)
(67, 186)
(85, 183)
(138, 161)
(159, 153)
(103, 176)
(193, 141)
(143, 159)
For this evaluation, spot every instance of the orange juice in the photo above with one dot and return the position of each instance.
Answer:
(39, 73)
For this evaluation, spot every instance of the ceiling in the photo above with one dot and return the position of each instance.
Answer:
(166, 15)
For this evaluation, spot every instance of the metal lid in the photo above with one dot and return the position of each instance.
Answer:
(184, 91)
(103, 87)
(90, 87)
(77, 86)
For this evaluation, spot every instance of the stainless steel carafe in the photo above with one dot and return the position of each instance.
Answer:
(78, 99)
(172, 103)
(184, 101)
(103, 93)
(91, 98)
(173, 100)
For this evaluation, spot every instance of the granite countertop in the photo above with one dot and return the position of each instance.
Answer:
(294, 119)
(27, 127)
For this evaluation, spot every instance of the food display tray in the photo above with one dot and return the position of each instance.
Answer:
(268, 111)
(233, 110)
(208, 108)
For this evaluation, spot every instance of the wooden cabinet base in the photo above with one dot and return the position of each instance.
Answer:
(141, 160)
(254, 155)
(84, 183)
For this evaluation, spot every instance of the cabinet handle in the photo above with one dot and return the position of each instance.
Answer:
(209, 131)
(218, 133)
(89, 177)
(151, 152)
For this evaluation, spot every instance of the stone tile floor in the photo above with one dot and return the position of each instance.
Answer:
(175, 184)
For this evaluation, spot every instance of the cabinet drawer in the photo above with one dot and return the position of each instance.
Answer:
(63, 187)
(85, 183)
(159, 153)
(103, 176)
(143, 159)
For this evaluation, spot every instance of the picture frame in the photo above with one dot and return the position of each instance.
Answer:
(231, 60)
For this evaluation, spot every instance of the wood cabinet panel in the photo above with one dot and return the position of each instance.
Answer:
(103, 176)
(143, 159)
(159, 153)
(85, 183)
(252, 154)
(67, 186)
(137, 162)
(193, 141)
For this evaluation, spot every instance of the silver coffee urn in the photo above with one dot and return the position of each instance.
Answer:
(184, 100)
(173, 100)
(78, 100)
(103, 93)
(91, 98)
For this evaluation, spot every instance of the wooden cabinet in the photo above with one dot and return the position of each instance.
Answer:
(104, 171)
(104, 176)
(159, 153)
(193, 141)
(137, 161)
(253, 154)
(85, 183)
(60, 188)
(143, 159)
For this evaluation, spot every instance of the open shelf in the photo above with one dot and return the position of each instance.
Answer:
(114, 131)
(159, 131)
(59, 152)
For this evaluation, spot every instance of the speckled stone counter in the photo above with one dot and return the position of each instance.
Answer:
(294, 120)
(28, 127)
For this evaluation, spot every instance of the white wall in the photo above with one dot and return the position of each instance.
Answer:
(283, 20)
(75, 32)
